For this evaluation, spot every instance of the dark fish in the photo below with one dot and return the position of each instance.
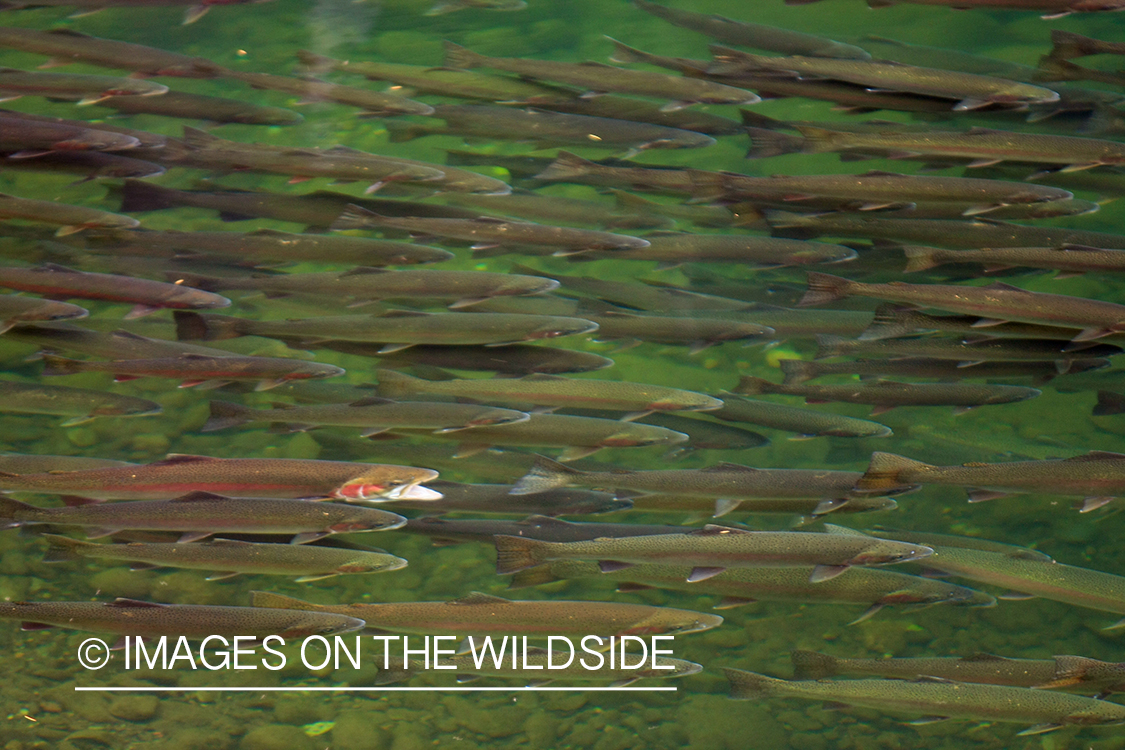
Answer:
(90, 165)
(199, 370)
(314, 90)
(980, 668)
(1109, 403)
(555, 209)
(233, 477)
(760, 36)
(1045, 710)
(83, 89)
(653, 296)
(995, 303)
(548, 129)
(806, 423)
(707, 434)
(59, 282)
(517, 359)
(490, 499)
(637, 110)
(1068, 45)
(375, 415)
(895, 322)
(188, 106)
(884, 395)
(264, 247)
(696, 332)
(444, 531)
(80, 404)
(129, 617)
(600, 78)
(967, 353)
(670, 249)
(799, 371)
(115, 345)
(198, 515)
(23, 137)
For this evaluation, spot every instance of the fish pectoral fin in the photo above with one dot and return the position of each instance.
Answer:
(1039, 729)
(701, 573)
(980, 496)
(99, 532)
(308, 579)
(308, 536)
(192, 536)
(1016, 596)
(222, 575)
(1093, 503)
(868, 613)
(826, 572)
(725, 505)
(926, 720)
(463, 678)
(730, 602)
(575, 452)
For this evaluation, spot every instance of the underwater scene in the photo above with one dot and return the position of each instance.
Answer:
(409, 374)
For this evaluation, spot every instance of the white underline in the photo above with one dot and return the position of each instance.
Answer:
(389, 689)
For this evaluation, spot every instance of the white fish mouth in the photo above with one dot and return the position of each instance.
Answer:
(413, 492)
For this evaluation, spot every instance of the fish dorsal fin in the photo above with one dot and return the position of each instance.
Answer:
(133, 603)
(1000, 286)
(339, 149)
(182, 458)
(372, 401)
(1097, 456)
(1027, 554)
(980, 656)
(55, 267)
(478, 597)
(70, 33)
(197, 497)
(197, 137)
(729, 467)
(714, 529)
(831, 528)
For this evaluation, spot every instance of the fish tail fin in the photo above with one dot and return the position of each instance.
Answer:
(1067, 44)
(749, 685)
(544, 475)
(53, 364)
(516, 553)
(193, 326)
(137, 195)
(919, 258)
(830, 346)
(818, 140)
(887, 324)
(748, 385)
(9, 508)
(824, 288)
(566, 166)
(224, 414)
(353, 217)
(623, 53)
(1071, 670)
(535, 576)
(811, 665)
(280, 601)
(765, 143)
(797, 371)
(63, 548)
(1109, 403)
(884, 470)
(461, 58)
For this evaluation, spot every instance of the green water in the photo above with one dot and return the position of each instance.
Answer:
(41, 708)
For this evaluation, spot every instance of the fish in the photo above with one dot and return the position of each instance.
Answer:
(218, 109)
(488, 499)
(374, 415)
(446, 531)
(600, 78)
(89, 165)
(968, 353)
(552, 391)
(130, 617)
(365, 285)
(875, 587)
(81, 88)
(939, 699)
(707, 434)
(1067, 45)
(513, 359)
(580, 436)
(309, 90)
(487, 231)
(229, 557)
(178, 474)
(397, 330)
(1109, 403)
(802, 510)
(199, 370)
(198, 515)
(479, 614)
(556, 209)
(69, 219)
(798, 371)
(1083, 674)
(671, 249)
(760, 36)
(713, 549)
(548, 129)
(23, 123)
(884, 395)
(59, 282)
(807, 423)
(34, 463)
(264, 247)
(114, 345)
(731, 486)
(80, 405)
(15, 310)
(1097, 476)
(979, 668)
(1051, 8)
(995, 303)
(1068, 260)
(441, 7)
(64, 46)
(25, 137)
(894, 322)
(972, 91)
(696, 332)
(637, 110)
